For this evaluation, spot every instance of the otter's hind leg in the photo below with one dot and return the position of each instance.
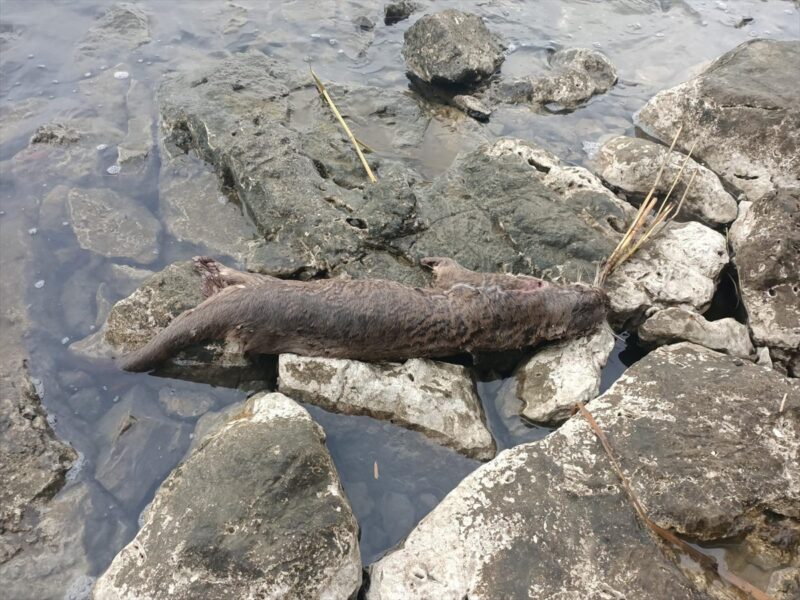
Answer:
(217, 276)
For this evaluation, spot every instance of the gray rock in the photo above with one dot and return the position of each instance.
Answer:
(139, 448)
(766, 243)
(134, 320)
(124, 27)
(550, 518)
(138, 141)
(473, 106)
(187, 404)
(194, 209)
(631, 165)
(679, 267)
(112, 225)
(256, 510)
(451, 48)
(364, 23)
(682, 325)
(580, 73)
(394, 12)
(438, 399)
(742, 113)
(560, 375)
(57, 561)
(56, 134)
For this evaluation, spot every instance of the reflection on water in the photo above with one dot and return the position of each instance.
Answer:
(131, 430)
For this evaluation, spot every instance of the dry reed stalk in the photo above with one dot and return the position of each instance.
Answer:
(356, 144)
(640, 230)
(706, 561)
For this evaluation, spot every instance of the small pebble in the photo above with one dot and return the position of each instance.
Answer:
(55, 81)
(121, 75)
(114, 170)
(103, 68)
(39, 284)
(18, 83)
(141, 60)
(30, 55)
(64, 223)
(41, 66)
(659, 35)
(316, 36)
(222, 200)
(102, 147)
(332, 41)
(33, 231)
(64, 341)
(87, 74)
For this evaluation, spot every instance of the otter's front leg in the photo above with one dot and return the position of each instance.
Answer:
(447, 273)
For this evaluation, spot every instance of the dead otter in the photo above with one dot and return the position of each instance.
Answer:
(371, 319)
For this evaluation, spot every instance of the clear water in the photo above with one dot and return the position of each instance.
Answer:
(654, 44)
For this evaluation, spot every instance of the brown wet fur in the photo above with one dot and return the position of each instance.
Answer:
(373, 319)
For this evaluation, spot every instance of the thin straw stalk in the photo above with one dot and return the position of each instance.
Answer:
(356, 144)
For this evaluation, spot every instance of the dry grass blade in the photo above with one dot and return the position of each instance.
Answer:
(665, 534)
(356, 144)
(641, 230)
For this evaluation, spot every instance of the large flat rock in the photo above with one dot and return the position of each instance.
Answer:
(436, 398)
(708, 451)
(256, 510)
(742, 114)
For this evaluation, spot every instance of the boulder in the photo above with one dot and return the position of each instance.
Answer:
(742, 114)
(766, 244)
(256, 510)
(451, 48)
(123, 27)
(631, 165)
(113, 225)
(707, 449)
(553, 380)
(435, 398)
(399, 10)
(134, 320)
(676, 324)
(678, 267)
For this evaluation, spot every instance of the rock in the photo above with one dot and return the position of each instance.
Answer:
(256, 510)
(631, 165)
(679, 267)
(138, 141)
(399, 10)
(673, 325)
(194, 209)
(63, 549)
(560, 375)
(580, 73)
(56, 134)
(451, 48)
(364, 23)
(140, 447)
(515, 207)
(438, 399)
(707, 452)
(19, 119)
(186, 404)
(134, 320)
(112, 225)
(766, 244)
(742, 114)
(124, 27)
(473, 106)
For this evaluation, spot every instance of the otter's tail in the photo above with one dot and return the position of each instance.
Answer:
(205, 322)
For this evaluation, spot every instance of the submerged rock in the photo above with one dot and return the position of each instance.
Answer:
(766, 243)
(438, 399)
(673, 325)
(632, 164)
(399, 10)
(451, 48)
(742, 114)
(112, 225)
(124, 27)
(708, 452)
(56, 134)
(560, 375)
(679, 267)
(256, 510)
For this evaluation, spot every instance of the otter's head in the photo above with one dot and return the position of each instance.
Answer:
(590, 308)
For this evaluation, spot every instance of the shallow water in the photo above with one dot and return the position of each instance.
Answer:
(654, 44)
